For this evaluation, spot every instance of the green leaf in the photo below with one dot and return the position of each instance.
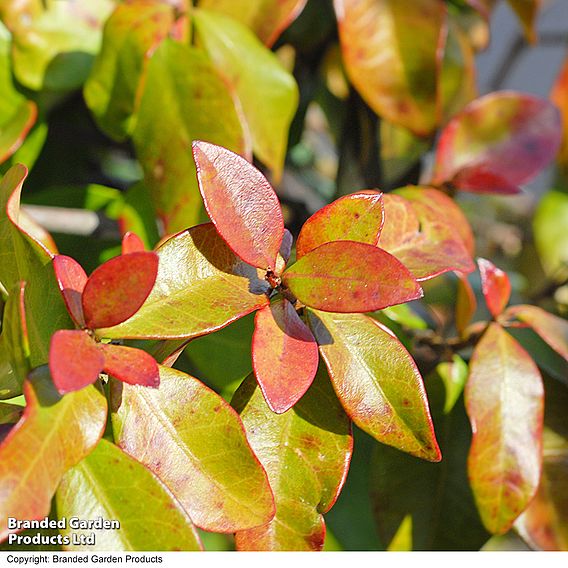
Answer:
(54, 42)
(355, 217)
(346, 276)
(14, 345)
(504, 400)
(112, 89)
(53, 435)
(267, 18)
(267, 92)
(550, 234)
(313, 444)
(201, 286)
(24, 258)
(183, 74)
(427, 246)
(435, 498)
(241, 203)
(454, 375)
(390, 52)
(150, 518)
(377, 381)
(198, 450)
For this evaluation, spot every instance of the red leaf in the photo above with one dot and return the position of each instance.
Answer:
(74, 360)
(284, 355)
(346, 276)
(504, 400)
(71, 279)
(495, 285)
(356, 217)
(501, 136)
(116, 289)
(131, 242)
(241, 203)
(466, 303)
(129, 365)
(552, 329)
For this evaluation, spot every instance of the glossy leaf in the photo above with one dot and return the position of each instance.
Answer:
(504, 402)
(194, 265)
(113, 87)
(74, 360)
(184, 74)
(132, 366)
(346, 276)
(377, 381)
(267, 92)
(200, 451)
(267, 18)
(17, 115)
(52, 436)
(306, 453)
(241, 203)
(435, 498)
(495, 285)
(401, 84)
(427, 204)
(355, 217)
(150, 518)
(551, 328)
(428, 248)
(116, 289)
(131, 242)
(498, 142)
(284, 355)
(550, 235)
(54, 42)
(466, 304)
(71, 279)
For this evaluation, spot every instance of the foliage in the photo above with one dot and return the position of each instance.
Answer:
(225, 350)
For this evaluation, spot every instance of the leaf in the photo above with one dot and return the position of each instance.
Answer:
(149, 516)
(17, 114)
(466, 304)
(131, 242)
(74, 360)
(53, 435)
(377, 381)
(527, 11)
(495, 285)
(400, 85)
(199, 450)
(241, 203)
(195, 265)
(284, 355)
(267, 92)
(71, 279)
(355, 217)
(132, 366)
(345, 276)
(427, 204)
(313, 443)
(559, 96)
(435, 498)
(550, 235)
(454, 375)
(54, 42)
(552, 329)
(113, 87)
(9, 415)
(184, 74)
(504, 402)
(498, 142)
(267, 18)
(428, 248)
(116, 289)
